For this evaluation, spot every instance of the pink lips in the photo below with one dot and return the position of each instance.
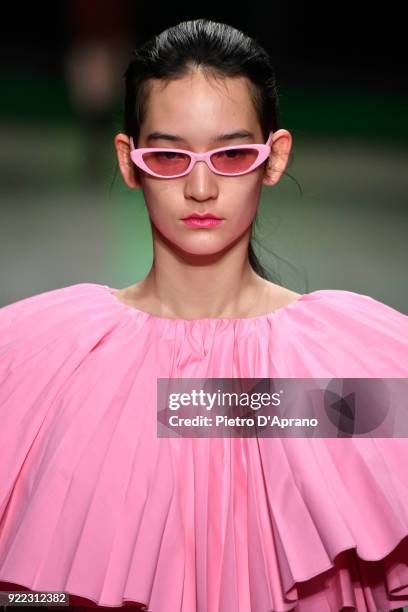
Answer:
(203, 222)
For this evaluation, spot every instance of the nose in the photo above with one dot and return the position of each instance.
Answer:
(201, 183)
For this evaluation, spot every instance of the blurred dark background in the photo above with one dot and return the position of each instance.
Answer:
(342, 83)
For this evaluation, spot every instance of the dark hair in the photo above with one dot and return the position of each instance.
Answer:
(220, 50)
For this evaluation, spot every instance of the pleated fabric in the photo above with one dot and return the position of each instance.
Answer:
(94, 504)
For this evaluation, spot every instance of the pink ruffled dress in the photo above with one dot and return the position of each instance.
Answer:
(93, 503)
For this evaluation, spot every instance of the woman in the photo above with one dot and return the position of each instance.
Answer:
(92, 501)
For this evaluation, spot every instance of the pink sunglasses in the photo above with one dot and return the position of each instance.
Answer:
(228, 161)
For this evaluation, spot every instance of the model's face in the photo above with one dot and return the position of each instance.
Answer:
(197, 109)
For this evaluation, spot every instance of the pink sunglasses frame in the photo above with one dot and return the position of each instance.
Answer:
(264, 150)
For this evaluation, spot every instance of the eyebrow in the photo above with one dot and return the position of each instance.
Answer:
(220, 138)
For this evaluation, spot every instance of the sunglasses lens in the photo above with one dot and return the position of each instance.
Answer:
(234, 160)
(166, 163)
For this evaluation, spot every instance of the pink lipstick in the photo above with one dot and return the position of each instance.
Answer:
(206, 220)
(196, 222)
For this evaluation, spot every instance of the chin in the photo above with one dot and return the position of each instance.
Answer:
(198, 242)
(196, 248)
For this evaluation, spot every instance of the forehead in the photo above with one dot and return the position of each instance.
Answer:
(196, 100)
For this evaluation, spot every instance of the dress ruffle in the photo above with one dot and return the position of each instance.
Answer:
(94, 504)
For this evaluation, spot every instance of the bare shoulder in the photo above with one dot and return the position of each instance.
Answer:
(134, 295)
(126, 294)
(278, 296)
(122, 294)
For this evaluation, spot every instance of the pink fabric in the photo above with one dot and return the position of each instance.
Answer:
(93, 503)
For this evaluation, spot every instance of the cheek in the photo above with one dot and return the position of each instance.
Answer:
(237, 203)
(242, 206)
(159, 205)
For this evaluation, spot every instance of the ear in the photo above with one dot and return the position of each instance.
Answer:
(280, 149)
(129, 170)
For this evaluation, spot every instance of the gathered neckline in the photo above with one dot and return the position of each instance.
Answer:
(267, 315)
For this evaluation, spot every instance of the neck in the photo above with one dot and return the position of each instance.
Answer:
(181, 285)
